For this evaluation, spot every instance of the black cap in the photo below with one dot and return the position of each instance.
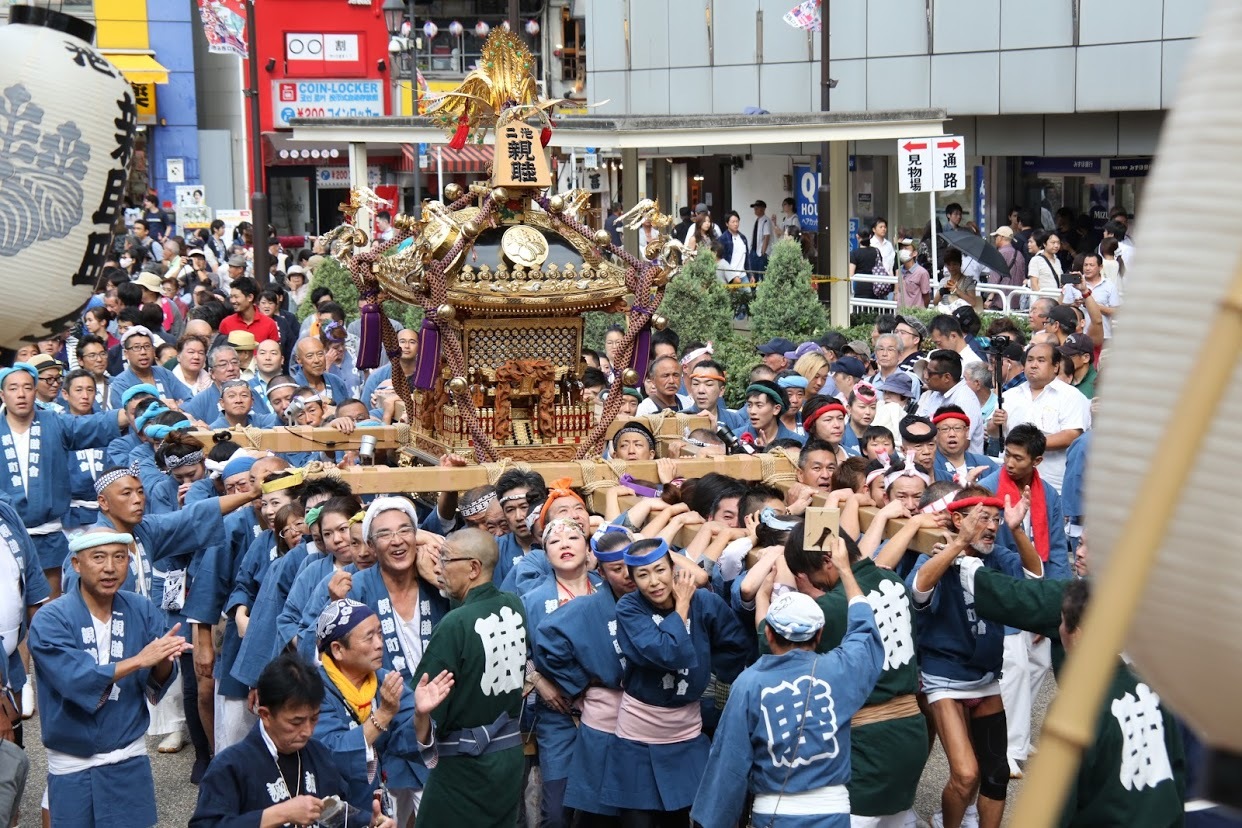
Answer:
(1064, 316)
(1077, 345)
(685, 212)
(759, 203)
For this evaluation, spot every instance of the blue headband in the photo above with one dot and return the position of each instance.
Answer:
(650, 558)
(89, 540)
(239, 464)
(135, 390)
(153, 411)
(19, 366)
(769, 519)
(616, 554)
(159, 432)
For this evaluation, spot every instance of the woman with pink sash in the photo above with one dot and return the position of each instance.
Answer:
(577, 649)
(672, 638)
(565, 544)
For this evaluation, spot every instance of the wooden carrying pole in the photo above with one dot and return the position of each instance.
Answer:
(283, 439)
(1070, 725)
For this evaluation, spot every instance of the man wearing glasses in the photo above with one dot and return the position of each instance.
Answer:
(401, 590)
(945, 387)
(51, 378)
(140, 352)
(475, 754)
(223, 365)
(93, 357)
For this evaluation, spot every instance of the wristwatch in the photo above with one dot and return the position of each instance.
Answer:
(1085, 292)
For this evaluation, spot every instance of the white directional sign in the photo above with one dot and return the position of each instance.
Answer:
(949, 163)
(914, 164)
(935, 164)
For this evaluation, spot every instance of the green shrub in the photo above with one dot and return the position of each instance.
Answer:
(696, 304)
(785, 303)
(332, 274)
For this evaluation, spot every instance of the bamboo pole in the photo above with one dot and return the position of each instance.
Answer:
(1070, 725)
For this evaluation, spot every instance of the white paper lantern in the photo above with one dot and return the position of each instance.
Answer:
(1184, 639)
(67, 119)
(481, 28)
(430, 29)
(532, 27)
(455, 28)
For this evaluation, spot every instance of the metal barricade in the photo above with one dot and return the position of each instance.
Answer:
(869, 302)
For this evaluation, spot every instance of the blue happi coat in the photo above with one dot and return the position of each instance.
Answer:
(341, 732)
(554, 732)
(369, 588)
(786, 729)
(84, 467)
(244, 780)
(669, 666)
(250, 568)
(577, 648)
(953, 641)
(84, 711)
(942, 470)
(292, 623)
(32, 585)
(529, 571)
(169, 386)
(43, 497)
(262, 643)
(117, 453)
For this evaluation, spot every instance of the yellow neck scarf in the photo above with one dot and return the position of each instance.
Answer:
(359, 699)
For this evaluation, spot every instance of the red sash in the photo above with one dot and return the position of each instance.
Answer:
(1039, 508)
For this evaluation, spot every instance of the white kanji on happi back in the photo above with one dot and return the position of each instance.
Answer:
(504, 642)
(892, 617)
(803, 709)
(1144, 759)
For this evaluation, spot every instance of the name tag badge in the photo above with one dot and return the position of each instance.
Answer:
(116, 693)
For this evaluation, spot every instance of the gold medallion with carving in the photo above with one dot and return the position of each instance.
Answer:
(524, 246)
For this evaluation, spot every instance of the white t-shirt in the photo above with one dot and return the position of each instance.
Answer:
(21, 445)
(411, 639)
(649, 406)
(1058, 407)
(887, 254)
(11, 604)
(760, 230)
(1106, 296)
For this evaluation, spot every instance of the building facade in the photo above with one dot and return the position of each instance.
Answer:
(1060, 101)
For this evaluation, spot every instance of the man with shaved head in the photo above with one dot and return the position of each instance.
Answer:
(483, 645)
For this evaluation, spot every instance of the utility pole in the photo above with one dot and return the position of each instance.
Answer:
(823, 236)
(258, 196)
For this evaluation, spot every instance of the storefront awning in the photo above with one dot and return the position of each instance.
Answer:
(138, 68)
(472, 158)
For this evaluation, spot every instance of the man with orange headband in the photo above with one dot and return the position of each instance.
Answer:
(562, 502)
(960, 654)
(706, 384)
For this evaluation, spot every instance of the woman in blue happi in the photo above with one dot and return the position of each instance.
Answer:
(367, 715)
(785, 736)
(673, 638)
(576, 649)
(101, 653)
(309, 593)
(37, 446)
(565, 544)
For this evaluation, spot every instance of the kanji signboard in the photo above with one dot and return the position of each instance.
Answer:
(935, 164)
(519, 159)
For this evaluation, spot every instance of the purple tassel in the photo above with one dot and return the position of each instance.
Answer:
(428, 356)
(370, 341)
(642, 352)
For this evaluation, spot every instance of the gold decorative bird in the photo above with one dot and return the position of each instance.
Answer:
(500, 89)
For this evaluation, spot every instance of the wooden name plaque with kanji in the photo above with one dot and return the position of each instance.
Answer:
(520, 160)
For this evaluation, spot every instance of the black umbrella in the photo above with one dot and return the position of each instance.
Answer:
(977, 248)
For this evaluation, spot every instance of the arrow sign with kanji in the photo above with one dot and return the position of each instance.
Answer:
(914, 165)
(949, 164)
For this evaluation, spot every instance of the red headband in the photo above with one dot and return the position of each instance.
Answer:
(950, 415)
(969, 502)
(821, 411)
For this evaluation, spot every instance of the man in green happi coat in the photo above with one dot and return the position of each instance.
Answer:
(475, 754)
